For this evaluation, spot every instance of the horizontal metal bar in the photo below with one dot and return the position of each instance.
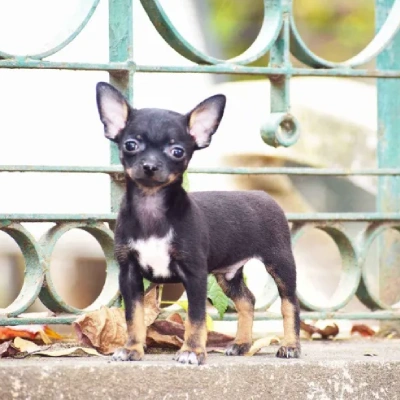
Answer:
(293, 217)
(112, 169)
(269, 71)
(24, 63)
(7, 218)
(368, 315)
(258, 316)
(63, 320)
(107, 169)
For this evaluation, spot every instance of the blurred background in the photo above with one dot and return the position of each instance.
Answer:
(50, 118)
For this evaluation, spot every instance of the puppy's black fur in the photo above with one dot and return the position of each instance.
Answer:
(167, 235)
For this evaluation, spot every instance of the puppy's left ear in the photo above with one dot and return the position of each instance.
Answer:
(113, 109)
(204, 119)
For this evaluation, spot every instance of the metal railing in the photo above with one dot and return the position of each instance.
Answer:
(280, 38)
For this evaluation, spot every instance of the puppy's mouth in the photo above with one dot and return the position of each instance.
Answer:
(151, 180)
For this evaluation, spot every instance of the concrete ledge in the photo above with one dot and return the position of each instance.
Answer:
(336, 370)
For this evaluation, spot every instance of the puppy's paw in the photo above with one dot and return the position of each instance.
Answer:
(133, 353)
(237, 349)
(190, 357)
(288, 352)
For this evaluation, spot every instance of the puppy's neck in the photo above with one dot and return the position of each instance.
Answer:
(153, 207)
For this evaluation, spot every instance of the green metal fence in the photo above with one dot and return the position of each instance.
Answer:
(280, 38)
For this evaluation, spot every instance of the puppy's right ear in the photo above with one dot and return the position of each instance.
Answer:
(113, 109)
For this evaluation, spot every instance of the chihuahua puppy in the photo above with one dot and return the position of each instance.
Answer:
(168, 235)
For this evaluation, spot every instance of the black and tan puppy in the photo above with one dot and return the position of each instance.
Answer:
(167, 235)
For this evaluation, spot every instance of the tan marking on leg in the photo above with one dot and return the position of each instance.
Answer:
(245, 310)
(195, 336)
(245, 320)
(289, 324)
(136, 327)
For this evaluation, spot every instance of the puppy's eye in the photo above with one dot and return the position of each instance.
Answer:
(131, 146)
(177, 152)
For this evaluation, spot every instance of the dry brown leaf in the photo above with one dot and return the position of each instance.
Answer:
(103, 329)
(25, 346)
(363, 330)
(175, 317)
(156, 339)
(260, 343)
(7, 349)
(151, 305)
(171, 328)
(71, 352)
(215, 350)
(309, 329)
(329, 331)
(217, 339)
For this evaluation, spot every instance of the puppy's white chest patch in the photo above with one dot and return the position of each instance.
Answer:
(154, 253)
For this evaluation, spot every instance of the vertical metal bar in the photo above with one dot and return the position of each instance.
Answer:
(280, 57)
(120, 49)
(388, 199)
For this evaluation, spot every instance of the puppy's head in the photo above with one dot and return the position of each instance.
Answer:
(155, 145)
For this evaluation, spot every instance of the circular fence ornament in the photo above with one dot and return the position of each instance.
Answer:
(364, 292)
(34, 269)
(64, 38)
(350, 276)
(281, 129)
(110, 291)
(267, 36)
(380, 41)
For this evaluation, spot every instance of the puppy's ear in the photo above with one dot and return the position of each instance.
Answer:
(204, 119)
(113, 109)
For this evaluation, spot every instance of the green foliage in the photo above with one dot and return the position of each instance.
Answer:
(146, 284)
(217, 296)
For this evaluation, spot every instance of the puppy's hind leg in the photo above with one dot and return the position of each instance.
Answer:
(284, 274)
(244, 302)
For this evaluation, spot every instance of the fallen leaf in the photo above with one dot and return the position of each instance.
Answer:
(260, 343)
(7, 349)
(175, 317)
(215, 350)
(329, 331)
(310, 329)
(175, 329)
(25, 346)
(151, 305)
(326, 333)
(156, 339)
(71, 352)
(32, 332)
(103, 329)
(370, 354)
(363, 330)
(217, 339)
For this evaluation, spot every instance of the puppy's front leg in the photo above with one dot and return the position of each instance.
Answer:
(193, 350)
(131, 286)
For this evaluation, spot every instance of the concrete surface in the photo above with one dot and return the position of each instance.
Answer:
(333, 370)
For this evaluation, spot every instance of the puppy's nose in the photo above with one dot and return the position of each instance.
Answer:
(149, 168)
